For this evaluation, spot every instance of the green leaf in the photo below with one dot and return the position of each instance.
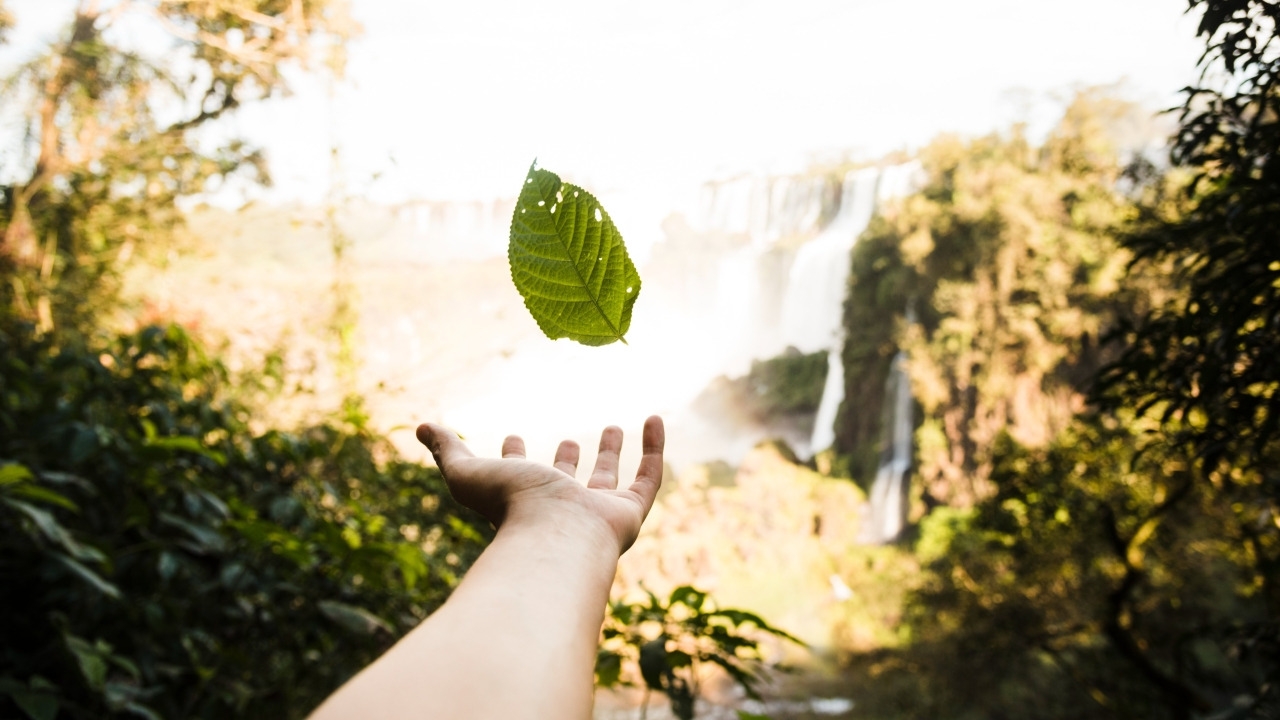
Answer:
(13, 473)
(39, 700)
(355, 619)
(45, 495)
(55, 532)
(679, 659)
(608, 668)
(89, 576)
(187, 444)
(569, 263)
(91, 658)
(653, 662)
(207, 539)
(689, 597)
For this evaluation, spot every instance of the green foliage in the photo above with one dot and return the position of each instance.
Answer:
(1121, 564)
(569, 263)
(6, 23)
(110, 137)
(667, 640)
(1096, 581)
(778, 393)
(1008, 259)
(1204, 361)
(158, 558)
(789, 383)
(161, 553)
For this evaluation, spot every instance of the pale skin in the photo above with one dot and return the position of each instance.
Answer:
(517, 638)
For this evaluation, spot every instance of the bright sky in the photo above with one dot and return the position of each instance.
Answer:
(455, 99)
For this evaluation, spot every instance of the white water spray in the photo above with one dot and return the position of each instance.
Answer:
(888, 510)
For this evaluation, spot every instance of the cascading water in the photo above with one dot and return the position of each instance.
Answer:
(728, 284)
(888, 507)
(813, 305)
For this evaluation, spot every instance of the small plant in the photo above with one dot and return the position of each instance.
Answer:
(667, 642)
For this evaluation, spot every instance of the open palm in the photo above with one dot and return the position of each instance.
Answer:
(514, 487)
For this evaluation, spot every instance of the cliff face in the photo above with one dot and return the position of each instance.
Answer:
(1007, 259)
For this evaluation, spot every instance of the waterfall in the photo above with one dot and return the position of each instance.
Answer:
(812, 305)
(758, 263)
(888, 510)
(812, 320)
(812, 309)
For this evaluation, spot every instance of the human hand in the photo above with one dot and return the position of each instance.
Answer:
(513, 490)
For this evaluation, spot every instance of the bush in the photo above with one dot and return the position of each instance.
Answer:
(159, 559)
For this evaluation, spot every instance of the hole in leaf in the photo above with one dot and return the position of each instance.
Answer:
(629, 289)
(541, 203)
(529, 180)
(559, 196)
(522, 211)
(599, 217)
(553, 209)
(575, 193)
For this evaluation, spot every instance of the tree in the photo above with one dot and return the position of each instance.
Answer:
(1205, 361)
(116, 135)
(1090, 563)
(1095, 582)
(158, 558)
(1008, 259)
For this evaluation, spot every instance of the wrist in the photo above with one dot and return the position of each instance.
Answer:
(565, 528)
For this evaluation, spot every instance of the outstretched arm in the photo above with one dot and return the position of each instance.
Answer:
(517, 638)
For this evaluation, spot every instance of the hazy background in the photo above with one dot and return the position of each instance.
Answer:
(642, 104)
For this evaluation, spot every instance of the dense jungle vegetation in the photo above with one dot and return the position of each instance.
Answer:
(161, 553)
(1093, 342)
(1093, 354)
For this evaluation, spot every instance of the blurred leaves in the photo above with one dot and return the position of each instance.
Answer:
(161, 553)
(667, 640)
(178, 564)
(112, 137)
(998, 278)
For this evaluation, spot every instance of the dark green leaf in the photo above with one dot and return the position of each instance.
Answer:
(38, 700)
(91, 659)
(88, 576)
(678, 659)
(688, 596)
(653, 663)
(55, 532)
(608, 668)
(208, 540)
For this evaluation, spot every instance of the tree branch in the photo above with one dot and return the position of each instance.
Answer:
(1180, 698)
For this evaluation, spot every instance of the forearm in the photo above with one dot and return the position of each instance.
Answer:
(517, 639)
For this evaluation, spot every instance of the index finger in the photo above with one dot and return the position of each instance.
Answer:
(649, 474)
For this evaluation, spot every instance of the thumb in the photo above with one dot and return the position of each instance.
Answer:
(445, 445)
